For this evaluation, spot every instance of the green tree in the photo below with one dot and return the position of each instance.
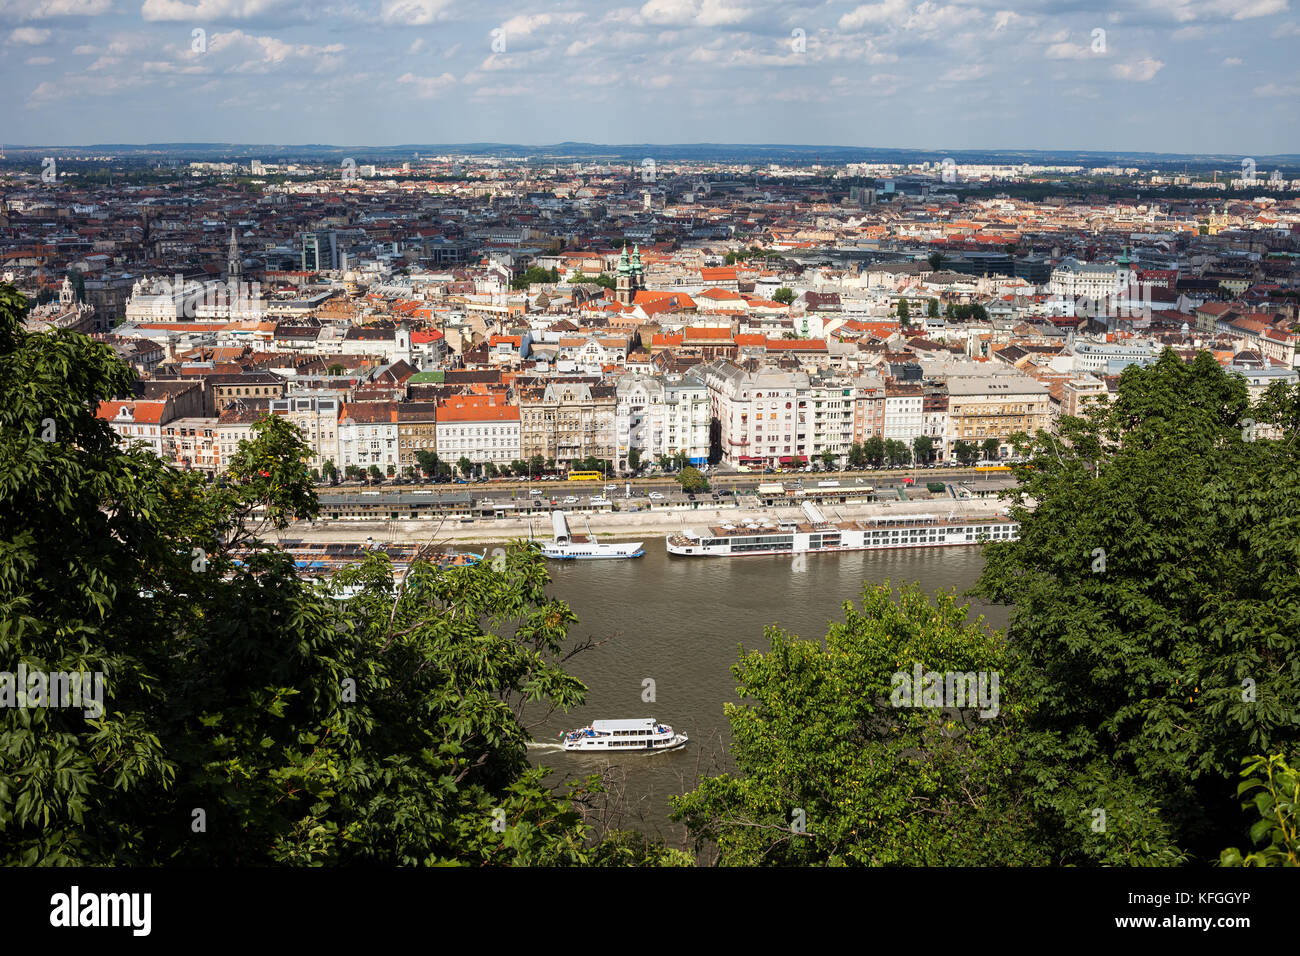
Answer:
(330, 471)
(897, 452)
(490, 470)
(692, 480)
(380, 729)
(936, 259)
(990, 448)
(828, 459)
(374, 474)
(874, 449)
(427, 461)
(932, 309)
(464, 466)
(1156, 608)
(964, 452)
(902, 311)
(784, 295)
(835, 767)
(857, 455)
(634, 460)
(534, 274)
(1275, 796)
(537, 464)
(923, 448)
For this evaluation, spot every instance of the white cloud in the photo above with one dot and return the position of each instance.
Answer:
(1009, 18)
(523, 24)
(427, 87)
(1068, 51)
(39, 60)
(266, 52)
(1139, 72)
(702, 13)
(1273, 89)
(206, 10)
(47, 9)
(1232, 61)
(414, 13)
(84, 50)
(872, 14)
(416, 46)
(965, 73)
(29, 36)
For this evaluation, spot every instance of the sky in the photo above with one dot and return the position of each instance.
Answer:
(1220, 76)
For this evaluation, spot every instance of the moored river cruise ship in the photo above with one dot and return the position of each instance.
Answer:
(816, 534)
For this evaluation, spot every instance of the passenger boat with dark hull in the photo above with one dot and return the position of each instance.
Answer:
(816, 535)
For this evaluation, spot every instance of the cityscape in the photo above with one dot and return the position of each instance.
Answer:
(546, 496)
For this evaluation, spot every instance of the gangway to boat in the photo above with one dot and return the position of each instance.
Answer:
(560, 527)
(813, 514)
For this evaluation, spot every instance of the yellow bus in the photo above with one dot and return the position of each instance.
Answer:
(585, 476)
(992, 467)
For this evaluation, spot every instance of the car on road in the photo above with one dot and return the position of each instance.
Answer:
(611, 487)
(571, 499)
(656, 496)
(534, 492)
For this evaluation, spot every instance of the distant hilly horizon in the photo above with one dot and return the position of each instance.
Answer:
(696, 152)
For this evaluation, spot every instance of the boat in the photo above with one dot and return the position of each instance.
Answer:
(570, 547)
(816, 534)
(640, 735)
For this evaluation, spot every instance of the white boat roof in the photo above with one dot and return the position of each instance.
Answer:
(639, 723)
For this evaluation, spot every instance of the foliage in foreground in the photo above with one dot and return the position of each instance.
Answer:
(248, 717)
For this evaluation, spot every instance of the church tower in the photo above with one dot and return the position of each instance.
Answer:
(623, 283)
(234, 262)
(638, 271)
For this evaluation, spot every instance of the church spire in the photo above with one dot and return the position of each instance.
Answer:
(234, 262)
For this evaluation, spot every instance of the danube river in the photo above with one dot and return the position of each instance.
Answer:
(679, 622)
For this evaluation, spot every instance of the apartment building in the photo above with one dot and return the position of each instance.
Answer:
(367, 435)
(192, 444)
(662, 415)
(317, 415)
(868, 407)
(569, 419)
(995, 406)
(762, 414)
(904, 412)
(830, 413)
(417, 431)
(478, 428)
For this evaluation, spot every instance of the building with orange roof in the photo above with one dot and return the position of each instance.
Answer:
(479, 428)
(140, 420)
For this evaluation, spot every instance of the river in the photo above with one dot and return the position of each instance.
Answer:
(679, 622)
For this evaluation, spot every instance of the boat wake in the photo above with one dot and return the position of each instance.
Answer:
(534, 745)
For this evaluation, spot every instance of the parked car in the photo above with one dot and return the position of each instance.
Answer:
(534, 492)
(611, 487)
(656, 496)
(599, 500)
(571, 500)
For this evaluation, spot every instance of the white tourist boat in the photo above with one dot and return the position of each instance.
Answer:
(641, 735)
(570, 547)
(817, 535)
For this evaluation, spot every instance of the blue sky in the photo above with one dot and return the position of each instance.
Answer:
(1164, 75)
